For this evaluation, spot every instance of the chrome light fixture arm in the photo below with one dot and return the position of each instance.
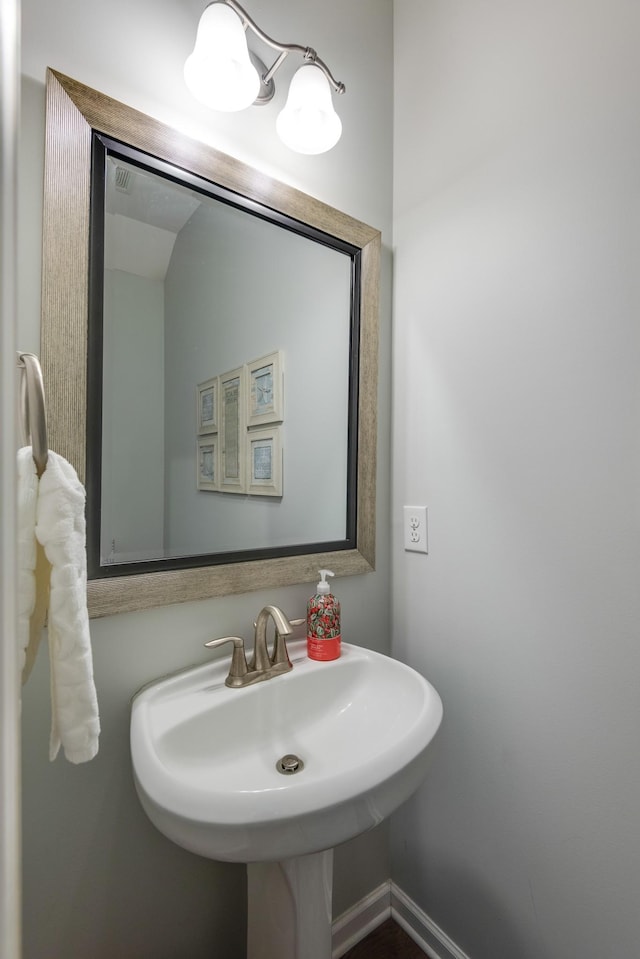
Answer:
(307, 53)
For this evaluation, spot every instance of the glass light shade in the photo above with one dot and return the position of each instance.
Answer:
(219, 72)
(308, 123)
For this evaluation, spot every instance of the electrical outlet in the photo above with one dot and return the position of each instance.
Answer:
(415, 529)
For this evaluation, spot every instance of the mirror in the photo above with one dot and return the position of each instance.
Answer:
(209, 338)
(191, 286)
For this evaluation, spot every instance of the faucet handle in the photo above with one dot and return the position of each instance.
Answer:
(238, 669)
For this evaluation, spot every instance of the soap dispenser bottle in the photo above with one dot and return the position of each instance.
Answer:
(323, 622)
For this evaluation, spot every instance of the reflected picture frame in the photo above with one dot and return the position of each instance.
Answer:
(266, 389)
(208, 463)
(207, 406)
(264, 461)
(232, 421)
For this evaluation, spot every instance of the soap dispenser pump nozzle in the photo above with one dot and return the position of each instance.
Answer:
(323, 586)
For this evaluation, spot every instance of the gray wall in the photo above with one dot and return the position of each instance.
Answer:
(132, 505)
(99, 880)
(516, 419)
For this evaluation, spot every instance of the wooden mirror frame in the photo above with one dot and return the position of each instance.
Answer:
(74, 111)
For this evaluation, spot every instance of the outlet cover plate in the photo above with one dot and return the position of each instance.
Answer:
(415, 529)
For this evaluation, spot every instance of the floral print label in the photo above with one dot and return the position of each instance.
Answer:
(323, 627)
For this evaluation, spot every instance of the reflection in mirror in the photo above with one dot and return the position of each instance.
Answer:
(209, 344)
(195, 285)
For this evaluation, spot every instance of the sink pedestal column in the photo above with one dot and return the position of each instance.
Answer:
(289, 914)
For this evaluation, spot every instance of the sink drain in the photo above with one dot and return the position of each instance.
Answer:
(289, 765)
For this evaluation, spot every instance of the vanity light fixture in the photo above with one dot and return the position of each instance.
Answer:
(224, 74)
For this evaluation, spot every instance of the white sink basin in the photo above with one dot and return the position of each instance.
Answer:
(204, 756)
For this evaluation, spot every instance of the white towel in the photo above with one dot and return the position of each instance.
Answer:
(27, 504)
(60, 528)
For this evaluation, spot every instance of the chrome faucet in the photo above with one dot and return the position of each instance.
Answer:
(263, 665)
(261, 660)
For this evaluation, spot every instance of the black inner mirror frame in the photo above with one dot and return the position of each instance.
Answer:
(104, 147)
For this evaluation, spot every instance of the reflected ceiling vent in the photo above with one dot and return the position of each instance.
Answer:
(124, 179)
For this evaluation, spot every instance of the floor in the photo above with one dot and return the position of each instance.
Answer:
(388, 941)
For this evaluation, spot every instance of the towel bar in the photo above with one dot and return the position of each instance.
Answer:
(33, 422)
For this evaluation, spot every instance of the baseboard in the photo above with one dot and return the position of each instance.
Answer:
(389, 901)
(357, 922)
(423, 930)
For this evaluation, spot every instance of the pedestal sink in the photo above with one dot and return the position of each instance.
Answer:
(353, 737)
